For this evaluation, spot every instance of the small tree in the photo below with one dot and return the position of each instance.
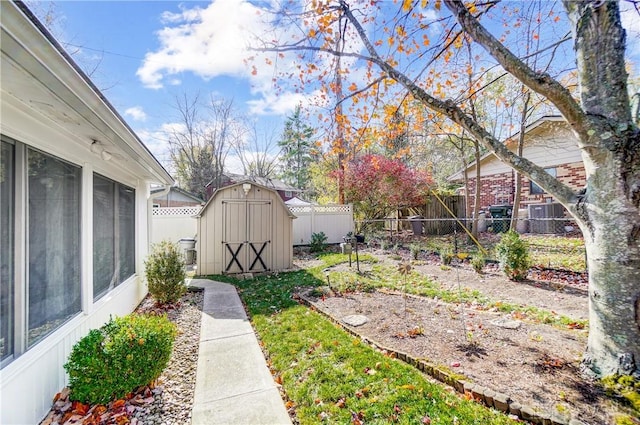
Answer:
(377, 186)
(513, 255)
(165, 273)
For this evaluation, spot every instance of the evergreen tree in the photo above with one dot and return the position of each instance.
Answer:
(297, 151)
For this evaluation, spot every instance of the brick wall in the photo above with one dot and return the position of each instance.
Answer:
(498, 189)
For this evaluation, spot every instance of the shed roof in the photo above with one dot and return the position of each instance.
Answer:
(222, 189)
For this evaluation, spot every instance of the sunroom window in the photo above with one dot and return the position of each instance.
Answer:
(7, 231)
(113, 234)
(53, 243)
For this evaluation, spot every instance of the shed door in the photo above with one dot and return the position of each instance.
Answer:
(247, 236)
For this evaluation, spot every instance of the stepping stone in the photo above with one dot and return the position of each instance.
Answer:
(355, 320)
(506, 323)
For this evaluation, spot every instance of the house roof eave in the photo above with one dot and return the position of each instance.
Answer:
(458, 175)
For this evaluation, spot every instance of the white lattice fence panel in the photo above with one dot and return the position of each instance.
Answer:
(334, 220)
(176, 211)
(174, 223)
(322, 209)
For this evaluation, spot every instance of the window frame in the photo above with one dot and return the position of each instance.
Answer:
(117, 276)
(534, 189)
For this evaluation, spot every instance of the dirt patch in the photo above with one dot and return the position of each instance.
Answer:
(536, 365)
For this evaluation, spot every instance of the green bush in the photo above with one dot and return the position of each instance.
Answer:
(317, 242)
(124, 354)
(513, 256)
(165, 273)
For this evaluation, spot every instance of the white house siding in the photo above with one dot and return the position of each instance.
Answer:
(224, 218)
(556, 146)
(47, 106)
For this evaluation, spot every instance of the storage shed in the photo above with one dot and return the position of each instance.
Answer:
(244, 228)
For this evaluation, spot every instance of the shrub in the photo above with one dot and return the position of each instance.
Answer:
(122, 355)
(415, 250)
(165, 273)
(446, 256)
(317, 242)
(513, 256)
(478, 261)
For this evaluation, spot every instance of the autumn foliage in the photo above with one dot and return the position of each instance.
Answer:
(378, 185)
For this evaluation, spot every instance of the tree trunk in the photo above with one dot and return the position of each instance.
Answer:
(520, 149)
(478, 188)
(610, 206)
(613, 258)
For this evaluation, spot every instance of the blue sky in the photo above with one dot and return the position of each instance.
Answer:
(146, 53)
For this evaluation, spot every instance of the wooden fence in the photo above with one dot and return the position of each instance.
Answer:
(432, 211)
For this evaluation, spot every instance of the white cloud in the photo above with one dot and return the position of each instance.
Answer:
(279, 104)
(208, 42)
(156, 142)
(137, 113)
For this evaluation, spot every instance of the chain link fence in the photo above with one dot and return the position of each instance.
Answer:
(553, 242)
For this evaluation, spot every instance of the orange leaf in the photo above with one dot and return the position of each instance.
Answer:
(79, 408)
(118, 404)
(353, 87)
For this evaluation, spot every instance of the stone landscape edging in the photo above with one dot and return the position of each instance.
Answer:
(488, 397)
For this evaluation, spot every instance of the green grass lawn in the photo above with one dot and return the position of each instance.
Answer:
(331, 377)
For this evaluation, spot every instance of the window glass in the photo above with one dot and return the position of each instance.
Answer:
(113, 234)
(7, 232)
(127, 241)
(534, 189)
(104, 260)
(53, 244)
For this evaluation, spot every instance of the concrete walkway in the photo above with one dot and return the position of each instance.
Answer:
(233, 383)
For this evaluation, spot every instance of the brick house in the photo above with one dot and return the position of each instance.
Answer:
(549, 143)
